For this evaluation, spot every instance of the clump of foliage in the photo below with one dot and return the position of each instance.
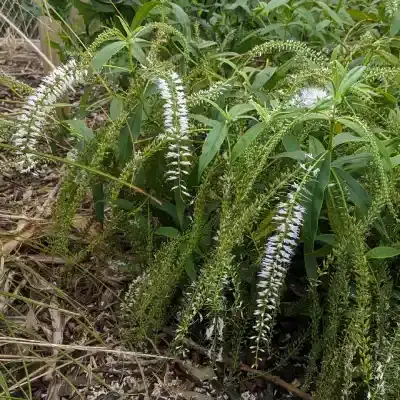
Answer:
(225, 164)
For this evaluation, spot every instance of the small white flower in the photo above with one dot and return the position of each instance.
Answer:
(308, 97)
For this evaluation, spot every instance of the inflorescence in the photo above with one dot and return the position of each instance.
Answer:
(176, 126)
(37, 108)
(279, 252)
(308, 97)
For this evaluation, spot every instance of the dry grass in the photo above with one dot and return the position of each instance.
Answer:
(60, 334)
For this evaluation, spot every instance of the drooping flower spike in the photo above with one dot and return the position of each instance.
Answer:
(37, 109)
(279, 251)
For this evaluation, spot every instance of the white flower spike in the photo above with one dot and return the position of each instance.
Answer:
(279, 251)
(37, 108)
(176, 124)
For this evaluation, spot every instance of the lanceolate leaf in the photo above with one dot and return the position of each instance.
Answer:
(353, 162)
(346, 137)
(81, 128)
(290, 143)
(383, 252)
(353, 76)
(106, 53)
(116, 108)
(271, 5)
(357, 194)
(263, 77)
(295, 155)
(240, 109)
(129, 133)
(395, 161)
(246, 139)
(142, 13)
(211, 146)
(314, 205)
(332, 14)
(395, 26)
(315, 147)
(182, 18)
(167, 231)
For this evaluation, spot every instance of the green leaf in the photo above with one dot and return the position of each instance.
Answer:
(106, 53)
(180, 207)
(238, 3)
(355, 126)
(190, 268)
(313, 209)
(352, 77)
(326, 238)
(315, 116)
(99, 201)
(332, 14)
(167, 231)
(358, 15)
(395, 160)
(4, 387)
(247, 139)
(182, 18)
(116, 107)
(129, 134)
(383, 252)
(80, 126)
(395, 25)
(169, 208)
(204, 44)
(295, 155)
(138, 53)
(125, 26)
(240, 109)
(353, 162)
(211, 146)
(315, 147)
(263, 77)
(346, 137)
(271, 5)
(357, 194)
(262, 31)
(124, 204)
(290, 143)
(142, 13)
(204, 120)
(322, 252)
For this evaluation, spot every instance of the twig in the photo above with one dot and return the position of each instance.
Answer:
(22, 217)
(143, 378)
(94, 349)
(245, 368)
(36, 48)
(277, 381)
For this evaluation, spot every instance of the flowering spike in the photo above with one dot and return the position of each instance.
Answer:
(279, 250)
(38, 106)
(176, 126)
